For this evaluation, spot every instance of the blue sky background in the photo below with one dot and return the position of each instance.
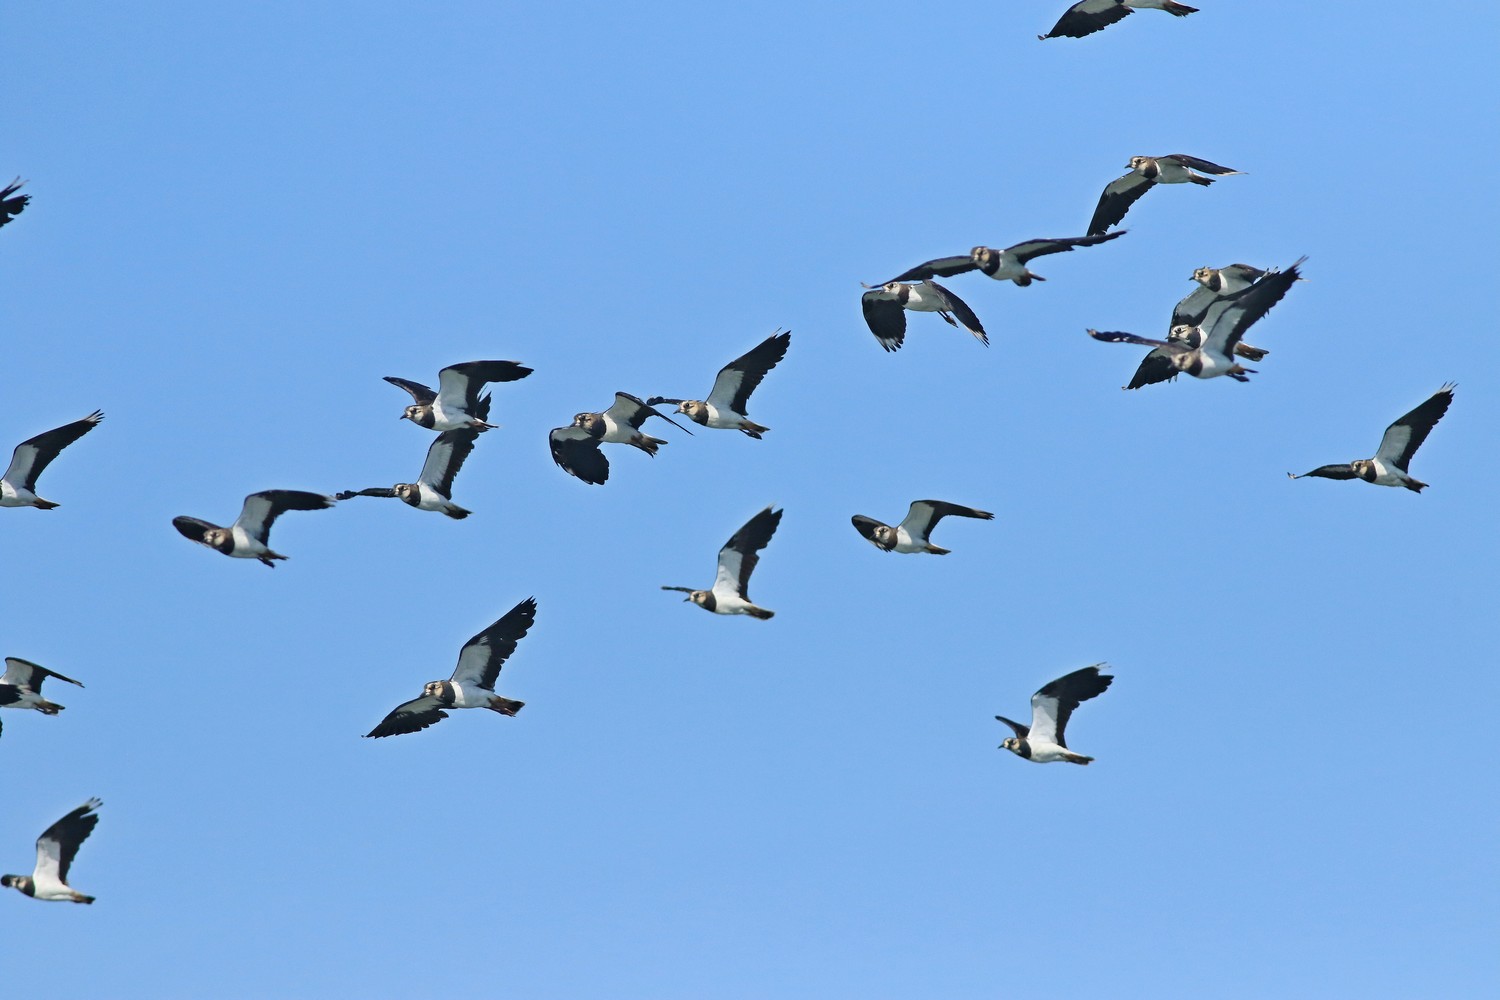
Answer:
(242, 219)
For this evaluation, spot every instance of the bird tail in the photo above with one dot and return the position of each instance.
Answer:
(456, 512)
(505, 706)
(1179, 9)
(52, 707)
(753, 429)
(647, 443)
(79, 897)
(41, 504)
(760, 613)
(1415, 485)
(934, 550)
(267, 557)
(1251, 353)
(1200, 179)
(1077, 758)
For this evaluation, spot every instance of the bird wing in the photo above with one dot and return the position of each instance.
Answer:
(24, 673)
(1228, 318)
(960, 310)
(1330, 472)
(1119, 194)
(410, 717)
(11, 203)
(192, 527)
(633, 410)
(578, 455)
(738, 379)
(866, 526)
(1154, 368)
(739, 555)
(58, 844)
(1202, 166)
(420, 394)
(35, 454)
(942, 267)
(1054, 703)
(373, 491)
(1021, 731)
(1117, 337)
(1032, 249)
(923, 515)
(459, 385)
(1191, 310)
(1087, 17)
(262, 509)
(1402, 439)
(445, 456)
(480, 659)
(885, 318)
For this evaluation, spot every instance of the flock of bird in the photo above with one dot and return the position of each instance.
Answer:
(1204, 340)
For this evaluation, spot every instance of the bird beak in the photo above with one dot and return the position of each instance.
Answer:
(687, 598)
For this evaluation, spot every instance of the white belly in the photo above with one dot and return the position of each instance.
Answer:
(14, 496)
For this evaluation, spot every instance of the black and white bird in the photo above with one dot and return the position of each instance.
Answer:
(911, 535)
(726, 403)
(11, 204)
(1145, 172)
(473, 682)
(452, 407)
(249, 535)
(18, 484)
(55, 850)
(1209, 351)
(21, 686)
(730, 594)
(1214, 284)
(1397, 446)
(1002, 265)
(1089, 16)
(885, 310)
(434, 486)
(1042, 742)
(575, 448)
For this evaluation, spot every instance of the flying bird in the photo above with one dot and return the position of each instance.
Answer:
(912, 533)
(1042, 741)
(21, 686)
(453, 406)
(11, 204)
(1146, 171)
(1209, 351)
(725, 406)
(55, 850)
(1214, 284)
(575, 448)
(249, 536)
(1397, 446)
(1089, 16)
(434, 486)
(731, 590)
(473, 682)
(18, 484)
(885, 310)
(1002, 265)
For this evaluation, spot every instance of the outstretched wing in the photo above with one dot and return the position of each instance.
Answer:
(578, 454)
(1200, 165)
(11, 203)
(1118, 196)
(866, 526)
(192, 527)
(1330, 472)
(410, 717)
(739, 555)
(942, 267)
(35, 454)
(738, 379)
(58, 844)
(1054, 703)
(420, 394)
(633, 411)
(374, 491)
(1032, 249)
(1021, 731)
(1087, 17)
(480, 659)
(1117, 337)
(445, 456)
(960, 310)
(885, 318)
(923, 515)
(1191, 310)
(1154, 367)
(24, 673)
(262, 509)
(459, 385)
(1405, 436)
(1228, 318)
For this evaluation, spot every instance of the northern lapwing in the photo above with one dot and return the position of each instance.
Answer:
(472, 684)
(1002, 265)
(18, 484)
(21, 686)
(1089, 16)
(1042, 741)
(1145, 173)
(55, 850)
(575, 448)
(249, 536)
(11, 204)
(885, 310)
(730, 594)
(434, 486)
(1397, 446)
(1209, 351)
(452, 407)
(727, 401)
(911, 535)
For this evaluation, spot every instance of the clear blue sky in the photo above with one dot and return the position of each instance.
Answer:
(242, 219)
